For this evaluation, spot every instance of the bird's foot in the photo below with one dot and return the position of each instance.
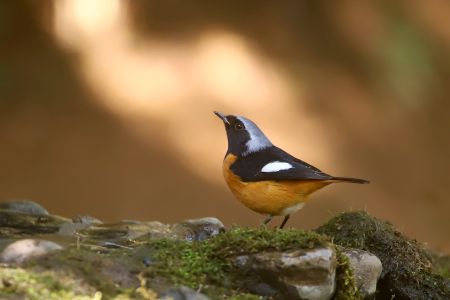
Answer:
(266, 220)
(286, 218)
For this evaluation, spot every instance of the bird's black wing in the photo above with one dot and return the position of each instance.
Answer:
(251, 167)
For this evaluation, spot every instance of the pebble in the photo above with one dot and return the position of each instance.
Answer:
(198, 229)
(294, 274)
(24, 206)
(183, 293)
(25, 249)
(367, 269)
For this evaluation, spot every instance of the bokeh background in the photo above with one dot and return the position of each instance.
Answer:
(106, 105)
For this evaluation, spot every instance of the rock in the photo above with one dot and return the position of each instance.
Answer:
(16, 224)
(78, 223)
(124, 232)
(407, 268)
(93, 231)
(366, 269)
(88, 220)
(147, 261)
(295, 274)
(121, 233)
(70, 229)
(182, 293)
(24, 206)
(198, 229)
(22, 250)
(113, 245)
(158, 230)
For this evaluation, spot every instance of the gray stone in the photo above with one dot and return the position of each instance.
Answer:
(86, 220)
(198, 229)
(18, 224)
(158, 230)
(367, 269)
(25, 206)
(183, 293)
(295, 274)
(78, 223)
(123, 232)
(70, 229)
(22, 250)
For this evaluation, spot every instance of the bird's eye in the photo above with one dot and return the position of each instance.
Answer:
(238, 126)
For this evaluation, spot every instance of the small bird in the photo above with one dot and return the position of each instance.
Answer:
(265, 178)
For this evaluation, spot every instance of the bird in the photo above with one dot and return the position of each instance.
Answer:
(265, 178)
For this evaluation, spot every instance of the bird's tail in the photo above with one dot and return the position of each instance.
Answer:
(351, 180)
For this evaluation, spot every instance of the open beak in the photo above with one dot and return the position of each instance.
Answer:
(222, 116)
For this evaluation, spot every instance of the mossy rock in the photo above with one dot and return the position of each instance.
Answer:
(407, 266)
(153, 266)
(148, 266)
(17, 224)
(208, 264)
(441, 264)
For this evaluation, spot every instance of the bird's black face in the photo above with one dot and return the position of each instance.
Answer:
(237, 134)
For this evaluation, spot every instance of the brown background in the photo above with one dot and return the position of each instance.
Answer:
(106, 108)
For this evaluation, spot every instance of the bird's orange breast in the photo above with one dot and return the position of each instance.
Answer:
(269, 196)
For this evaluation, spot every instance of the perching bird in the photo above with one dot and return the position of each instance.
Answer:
(265, 178)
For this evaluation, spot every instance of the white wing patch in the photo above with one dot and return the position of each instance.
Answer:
(276, 166)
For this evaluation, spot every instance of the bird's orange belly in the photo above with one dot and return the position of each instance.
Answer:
(268, 196)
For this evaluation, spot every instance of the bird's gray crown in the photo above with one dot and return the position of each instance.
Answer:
(258, 140)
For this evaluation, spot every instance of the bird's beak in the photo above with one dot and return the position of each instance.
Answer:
(222, 116)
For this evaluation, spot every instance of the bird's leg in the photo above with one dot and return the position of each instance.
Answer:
(284, 221)
(266, 220)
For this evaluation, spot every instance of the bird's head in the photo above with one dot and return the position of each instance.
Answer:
(244, 137)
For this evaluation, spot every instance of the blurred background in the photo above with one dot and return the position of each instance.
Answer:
(106, 105)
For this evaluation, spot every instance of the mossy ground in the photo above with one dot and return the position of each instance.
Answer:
(151, 266)
(28, 284)
(122, 273)
(407, 266)
(206, 264)
(441, 264)
(345, 280)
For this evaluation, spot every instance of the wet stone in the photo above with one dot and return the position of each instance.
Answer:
(407, 269)
(124, 232)
(14, 223)
(24, 206)
(183, 293)
(88, 220)
(78, 223)
(158, 230)
(367, 269)
(19, 251)
(198, 229)
(113, 231)
(70, 229)
(295, 274)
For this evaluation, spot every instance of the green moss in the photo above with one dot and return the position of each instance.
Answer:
(186, 263)
(239, 241)
(245, 296)
(345, 281)
(62, 285)
(45, 285)
(112, 272)
(441, 264)
(28, 224)
(442, 267)
(406, 263)
(92, 267)
(206, 264)
(94, 272)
